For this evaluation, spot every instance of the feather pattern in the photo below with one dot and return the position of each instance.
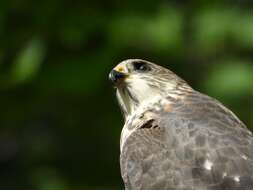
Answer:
(176, 138)
(199, 145)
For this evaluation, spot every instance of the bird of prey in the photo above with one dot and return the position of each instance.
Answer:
(176, 138)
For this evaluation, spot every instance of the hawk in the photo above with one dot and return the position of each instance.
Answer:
(176, 138)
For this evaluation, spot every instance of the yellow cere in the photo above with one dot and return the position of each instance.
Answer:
(119, 69)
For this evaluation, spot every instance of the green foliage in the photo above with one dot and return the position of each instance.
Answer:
(47, 179)
(232, 79)
(28, 62)
(215, 27)
(149, 31)
(60, 123)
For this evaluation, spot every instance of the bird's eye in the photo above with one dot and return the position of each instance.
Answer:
(140, 66)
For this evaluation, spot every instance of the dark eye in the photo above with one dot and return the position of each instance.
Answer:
(141, 66)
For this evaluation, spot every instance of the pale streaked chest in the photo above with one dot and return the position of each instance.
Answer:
(141, 116)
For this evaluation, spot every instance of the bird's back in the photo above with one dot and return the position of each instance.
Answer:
(192, 143)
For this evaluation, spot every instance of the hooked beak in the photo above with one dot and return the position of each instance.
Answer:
(115, 76)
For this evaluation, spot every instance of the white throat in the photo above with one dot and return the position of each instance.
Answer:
(133, 119)
(138, 94)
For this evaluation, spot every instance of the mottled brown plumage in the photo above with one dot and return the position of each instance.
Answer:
(176, 138)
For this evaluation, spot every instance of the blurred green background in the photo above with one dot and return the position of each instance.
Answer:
(59, 120)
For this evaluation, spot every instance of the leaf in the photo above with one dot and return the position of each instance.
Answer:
(28, 62)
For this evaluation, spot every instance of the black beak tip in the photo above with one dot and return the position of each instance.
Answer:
(112, 77)
(115, 76)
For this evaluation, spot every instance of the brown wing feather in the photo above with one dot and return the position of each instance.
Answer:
(199, 145)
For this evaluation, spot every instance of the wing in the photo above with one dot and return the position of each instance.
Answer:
(198, 144)
(139, 156)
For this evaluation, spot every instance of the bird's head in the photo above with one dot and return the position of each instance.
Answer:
(140, 82)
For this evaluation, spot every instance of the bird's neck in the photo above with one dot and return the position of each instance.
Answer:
(154, 102)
